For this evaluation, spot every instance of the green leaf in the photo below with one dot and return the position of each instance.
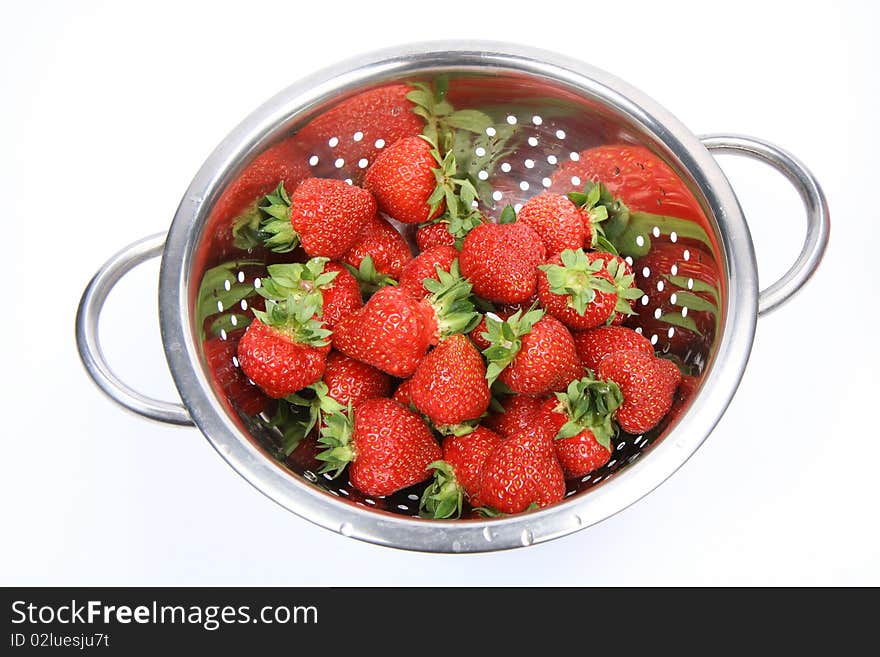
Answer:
(696, 285)
(443, 498)
(682, 322)
(220, 284)
(229, 323)
(470, 120)
(508, 215)
(691, 301)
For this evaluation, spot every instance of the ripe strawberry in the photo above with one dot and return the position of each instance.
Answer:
(624, 282)
(425, 266)
(402, 394)
(327, 285)
(647, 383)
(520, 413)
(457, 476)
(323, 215)
(557, 221)
(235, 217)
(350, 382)
(388, 446)
(449, 384)
(379, 254)
(583, 290)
(522, 470)
(531, 353)
(383, 115)
(285, 348)
(393, 330)
(433, 235)
(580, 421)
(594, 345)
(243, 395)
(501, 260)
(402, 178)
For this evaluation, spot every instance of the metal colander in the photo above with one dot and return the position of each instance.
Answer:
(544, 111)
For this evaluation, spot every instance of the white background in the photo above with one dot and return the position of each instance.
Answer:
(108, 110)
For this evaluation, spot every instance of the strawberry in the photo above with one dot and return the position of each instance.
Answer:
(521, 471)
(361, 126)
(457, 476)
(219, 356)
(394, 330)
(556, 220)
(624, 280)
(684, 289)
(500, 260)
(580, 421)
(643, 199)
(647, 383)
(327, 285)
(425, 266)
(403, 180)
(594, 345)
(387, 446)
(235, 217)
(285, 348)
(379, 254)
(402, 394)
(350, 382)
(449, 384)
(519, 412)
(583, 290)
(435, 234)
(531, 353)
(323, 215)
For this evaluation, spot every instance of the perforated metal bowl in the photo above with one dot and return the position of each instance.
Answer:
(551, 108)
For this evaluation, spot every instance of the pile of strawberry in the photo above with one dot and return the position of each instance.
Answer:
(494, 363)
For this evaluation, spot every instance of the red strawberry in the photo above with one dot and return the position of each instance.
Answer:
(425, 266)
(432, 235)
(556, 220)
(531, 353)
(389, 447)
(235, 217)
(583, 290)
(219, 356)
(284, 349)
(522, 471)
(328, 285)
(501, 260)
(394, 330)
(647, 383)
(350, 381)
(458, 475)
(449, 385)
(580, 421)
(520, 413)
(380, 253)
(595, 344)
(323, 215)
(624, 282)
(402, 394)
(360, 127)
(402, 179)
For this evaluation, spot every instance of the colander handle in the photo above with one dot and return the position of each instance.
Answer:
(90, 347)
(818, 220)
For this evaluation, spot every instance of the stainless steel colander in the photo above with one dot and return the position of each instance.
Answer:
(545, 110)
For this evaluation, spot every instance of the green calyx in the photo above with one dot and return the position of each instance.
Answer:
(441, 118)
(276, 232)
(489, 512)
(246, 228)
(628, 232)
(336, 437)
(460, 429)
(450, 297)
(369, 279)
(459, 193)
(624, 286)
(296, 319)
(289, 424)
(318, 406)
(505, 337)
(589, 404)
(220, 290)
(578, 279)
(444, 497)
(301, 281)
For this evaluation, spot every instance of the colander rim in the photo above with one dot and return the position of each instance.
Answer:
(577, 512)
